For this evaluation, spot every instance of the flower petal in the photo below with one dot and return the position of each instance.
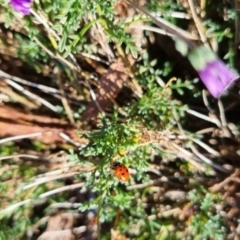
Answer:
(214, 73)
(22, 6)
(217, 77)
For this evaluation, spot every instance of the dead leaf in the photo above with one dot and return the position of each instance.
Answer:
(60, 222)
(116, 235)
(57, 235)
(15, 122)
(111, 84)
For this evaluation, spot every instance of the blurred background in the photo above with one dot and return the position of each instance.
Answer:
(86, 84)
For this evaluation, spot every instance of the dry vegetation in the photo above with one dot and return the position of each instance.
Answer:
(85, 84)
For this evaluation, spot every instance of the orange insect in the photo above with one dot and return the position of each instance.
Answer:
(121, 171)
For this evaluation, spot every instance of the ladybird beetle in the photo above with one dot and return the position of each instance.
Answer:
(121, 171)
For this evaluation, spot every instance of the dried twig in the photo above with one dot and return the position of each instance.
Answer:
(31, 95)
(37, 134)
(198, 23)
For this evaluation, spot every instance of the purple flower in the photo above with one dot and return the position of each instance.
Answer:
(214, 73)
(22, 6)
